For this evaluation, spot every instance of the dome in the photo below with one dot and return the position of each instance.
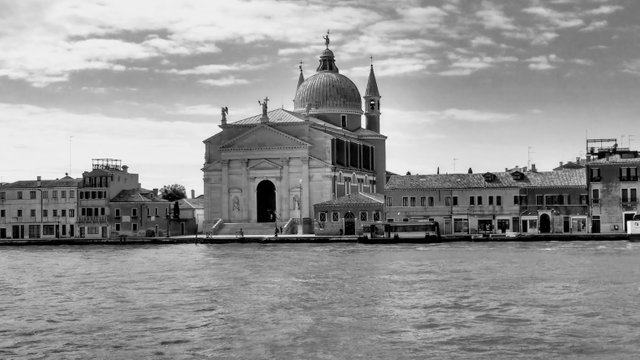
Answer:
(328, 92)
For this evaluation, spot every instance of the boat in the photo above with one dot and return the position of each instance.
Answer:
(633, 228)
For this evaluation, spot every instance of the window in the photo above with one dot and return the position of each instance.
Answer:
(32, 195)
(134, 227)
(102, 212)
(479, 202)
(72, 212)
(539, 200)
(625, 195)
(117, 226)
(3, 195)
(335, 217)
(81, 194)
(628, 174)
(584, 199)
(499, 200)
(595, 196)
(3, 213)
(117, 214)
(472, 200)
(34, 231)
(93, 230)
(156, 212)
(594, 174)
(516, 199)
(389, 200)
(63, 213)
(376, 216)
(72, 194)
(33, 212)
(54, 194)
(447, 201)
(148, 212)
(55, 212)
(45, 194)
(363, 216)
(19, 195)
(455, 201)
(431, 201)
(343, 121)
(134, 212)
(550, 200)
(405, 201)
(19, 213)
(63, 194)
(490, 199)
(524, 200)
(423, 201)
(48, 230)
(633, 195)
(94, 195)
(413, 201)
(45, 213)
(323, 216)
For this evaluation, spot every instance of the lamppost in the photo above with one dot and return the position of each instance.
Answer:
(300, 231)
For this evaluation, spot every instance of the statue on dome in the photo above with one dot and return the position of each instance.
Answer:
(225, 111)
(326, 39)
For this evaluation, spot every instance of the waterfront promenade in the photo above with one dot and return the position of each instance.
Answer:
(309, 238)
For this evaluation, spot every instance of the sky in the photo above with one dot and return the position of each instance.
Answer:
(480, 84)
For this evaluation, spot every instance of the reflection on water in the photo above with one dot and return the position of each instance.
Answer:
(341, 301)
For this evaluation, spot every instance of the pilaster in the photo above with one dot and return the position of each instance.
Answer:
(224, 198)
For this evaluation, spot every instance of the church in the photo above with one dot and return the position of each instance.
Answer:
(275, 166)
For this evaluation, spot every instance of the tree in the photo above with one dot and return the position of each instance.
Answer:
(173, 192)
(176, 210)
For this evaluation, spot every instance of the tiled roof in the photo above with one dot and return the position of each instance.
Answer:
(275, 116)
(197, 203)
(354, 199)
(137, 195)
(23, 184)
(560, 178)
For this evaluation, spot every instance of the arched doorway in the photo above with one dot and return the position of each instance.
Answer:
(266, 201)
(349, 223)
(545, 224)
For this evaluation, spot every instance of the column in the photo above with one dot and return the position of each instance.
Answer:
(224, 198)
(305, 187)
(285, 195)
(246, 191)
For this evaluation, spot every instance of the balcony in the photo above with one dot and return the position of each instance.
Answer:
(93, 219)
(595, 178)
(628, 178)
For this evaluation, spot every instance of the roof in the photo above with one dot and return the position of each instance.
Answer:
(137, 195)
(275, 116)
(560, 178)
(197, 203)
(614, 159)
(354, 199)
(372, 85)
(32, 184)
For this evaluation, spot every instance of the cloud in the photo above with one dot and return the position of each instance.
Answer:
(556, 18)
(465, 65)
(542, 62)
(493, 17)
(224, 81)
(595, 25)
(604, 10)
(470, 115)
(632, 67)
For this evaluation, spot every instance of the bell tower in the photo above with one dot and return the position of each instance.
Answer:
(372, 103)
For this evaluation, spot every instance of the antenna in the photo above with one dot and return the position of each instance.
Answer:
(529, 152)
(629, 138)
(70, 137)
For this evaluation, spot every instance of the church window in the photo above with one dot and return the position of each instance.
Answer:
(343, 121)
(363, 216)
(372, 104)
(335, 217)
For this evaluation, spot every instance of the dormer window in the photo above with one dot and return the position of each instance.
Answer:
(343, 121)
(489, 177)
(517, 175)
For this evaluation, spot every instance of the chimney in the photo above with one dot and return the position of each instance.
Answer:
(560, 163)
(125, 168)
(193, 194)
(533, 168)
(155, 191)
(39, 181)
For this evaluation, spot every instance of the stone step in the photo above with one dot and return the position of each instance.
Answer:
(247, 228)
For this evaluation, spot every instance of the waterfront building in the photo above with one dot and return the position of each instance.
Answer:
(349, 215)
(191, 216)
(39, 209)
(140, 212)
(276, 165)
(107, 178)
(493, 202)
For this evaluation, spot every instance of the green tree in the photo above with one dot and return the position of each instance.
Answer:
(173, 192)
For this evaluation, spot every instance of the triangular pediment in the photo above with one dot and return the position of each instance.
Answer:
(263, 137)
(265, 165)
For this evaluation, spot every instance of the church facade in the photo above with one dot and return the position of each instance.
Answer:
(276, 165)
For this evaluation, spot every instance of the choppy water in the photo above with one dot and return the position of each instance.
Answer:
(343, 301)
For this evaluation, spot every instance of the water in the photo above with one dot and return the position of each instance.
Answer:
(330, 301)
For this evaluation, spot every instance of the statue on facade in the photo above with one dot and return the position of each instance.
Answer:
(236, 204)
(296, 202)
(326, 39)
(224, 110)
(264, 106)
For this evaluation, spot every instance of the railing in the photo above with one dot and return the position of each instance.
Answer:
(93, 219)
